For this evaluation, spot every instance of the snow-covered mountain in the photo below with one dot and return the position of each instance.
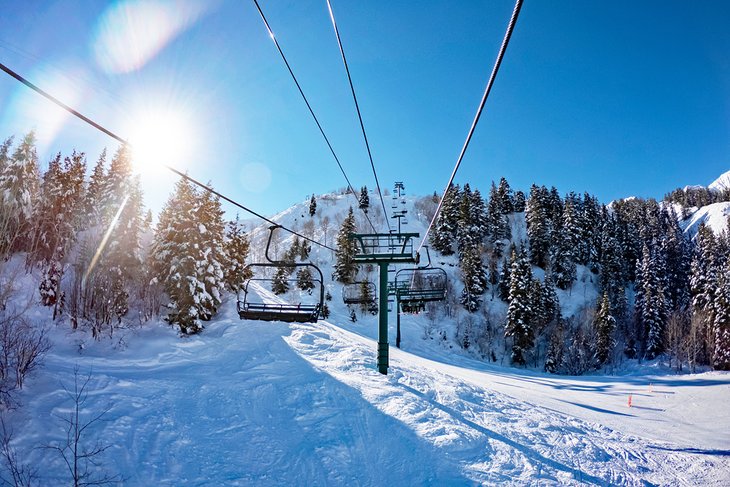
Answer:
(715, 216)
(721, 183)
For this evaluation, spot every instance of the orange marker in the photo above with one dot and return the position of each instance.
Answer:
(629, 400)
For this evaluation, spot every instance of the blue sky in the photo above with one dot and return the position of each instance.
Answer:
(616, 98)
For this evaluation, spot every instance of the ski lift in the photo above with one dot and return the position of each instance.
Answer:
(414, 287)
(252, 308)
(360, 292)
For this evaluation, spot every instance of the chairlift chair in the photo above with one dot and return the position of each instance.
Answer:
(353, 293)
(255, 309)
(414, 287)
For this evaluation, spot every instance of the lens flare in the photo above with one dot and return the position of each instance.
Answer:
(132, 32)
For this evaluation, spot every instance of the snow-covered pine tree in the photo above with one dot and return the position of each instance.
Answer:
(555, 207)
(475, 280)
(236, 247)
(678, 256)
(467, 235)
(519, 312)
(498, 228)
(505, 275)
(280, 283)
(505, 198)
(4, 151)
(345, 267)
(703, 289)
(562, 263)
(591, 224)
(556, 348)
(651, 304)
(19, 186)
(94, 194)
(573, 226)
(612, 269)
(520, 201)
(721, 331)
(312, 206)
(212, 260)
(175, 256)
(539, 226)
(304, 279)
(604, 325)
(364, 199)
(122, 209)
(444, 231)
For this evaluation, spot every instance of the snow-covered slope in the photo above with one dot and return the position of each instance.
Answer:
(714, 215)
(721, 183)
(251, 403)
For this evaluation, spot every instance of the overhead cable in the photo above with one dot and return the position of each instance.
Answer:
(114, 136)
(495, 69)
(311, 110)
(357, 107)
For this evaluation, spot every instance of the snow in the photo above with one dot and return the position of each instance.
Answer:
(721, 183)
(255, 403)
(714, 215)
(275, 404)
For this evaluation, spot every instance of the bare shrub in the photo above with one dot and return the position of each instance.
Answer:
(16, 473)
(81, 459)
(22, 348)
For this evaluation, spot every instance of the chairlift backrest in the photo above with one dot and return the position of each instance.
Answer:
(259, 310)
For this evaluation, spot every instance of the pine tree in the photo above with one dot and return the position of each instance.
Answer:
(519, 202)
(475, 280)
(304, 279)
(651, 305)
(505, 197)
(556, 349)
(562, 264)
(505, 276)
(94, 195)
(212, 258)
(19, 186)
(539, 226)
(519, 313)
(4, 151)
(604, 325)
(345, 267)
(498, 228)
(280, 283)
(364, 200)
(721, 359)
(177, 254)
(312, 206)
(444, 232)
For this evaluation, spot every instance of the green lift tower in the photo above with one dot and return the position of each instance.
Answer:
(384, 249)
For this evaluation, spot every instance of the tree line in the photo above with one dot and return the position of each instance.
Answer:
(661, 293)
(94, 246)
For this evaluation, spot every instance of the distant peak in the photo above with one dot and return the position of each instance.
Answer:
(721, 183)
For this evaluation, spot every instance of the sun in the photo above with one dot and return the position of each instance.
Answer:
(160, 137)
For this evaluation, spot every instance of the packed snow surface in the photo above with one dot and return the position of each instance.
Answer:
(255, 403)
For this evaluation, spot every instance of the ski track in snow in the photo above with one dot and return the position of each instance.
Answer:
(254, 403)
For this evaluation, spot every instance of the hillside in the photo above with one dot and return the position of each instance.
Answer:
(265, 403)
(272, 404)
